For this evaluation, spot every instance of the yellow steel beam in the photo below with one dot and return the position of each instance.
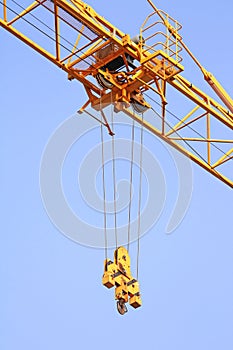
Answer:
(220, 91)
(97, 20)
(49, 56)
(154, 70)
(208, 137)
(33, 6)
(57, 32)
(76, 45)
(211, 80)
(4, 10)
(182, 121)
(177, 146)
(200, 139)
(108, 30)
(223, 158)
(200, 98)
(29, 42)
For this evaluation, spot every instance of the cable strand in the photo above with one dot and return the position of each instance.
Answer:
(140, 196)
(114, 175)
(131, 182)
(103, 185)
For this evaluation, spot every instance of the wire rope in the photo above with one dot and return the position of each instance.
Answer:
(131, 182)
(103, 184)
(83, 59)
(140, 196)
(193, 149)
(185, 141)
(46, 34)
(114, 175)
(188, 126)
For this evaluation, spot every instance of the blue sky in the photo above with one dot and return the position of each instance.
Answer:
(51, 292)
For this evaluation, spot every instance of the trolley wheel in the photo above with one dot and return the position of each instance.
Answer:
(104, 83)
(121, 307)
(138, 107)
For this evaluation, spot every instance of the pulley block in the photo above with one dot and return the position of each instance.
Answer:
(117, 274)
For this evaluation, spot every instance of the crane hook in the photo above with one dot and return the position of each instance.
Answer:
(121, 307)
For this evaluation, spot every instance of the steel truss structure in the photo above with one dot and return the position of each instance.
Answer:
(117, 69)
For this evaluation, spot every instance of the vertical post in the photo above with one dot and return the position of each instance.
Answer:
(208, 138)
(56, 18)
(176, 42)
(4, 11)
(163, 107)
(141, 44)
(167, 37)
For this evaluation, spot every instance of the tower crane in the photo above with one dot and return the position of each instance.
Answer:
(133, 75)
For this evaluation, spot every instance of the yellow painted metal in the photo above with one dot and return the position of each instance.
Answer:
(223, 159)
(118, 274)
(4, 10)
(57, 31)
(212, 81)
(208, 138)
(198, 139)
(210, 168)
(76, 44)
(217, 87)
(182, 121)
(23, 13)
(96, 43)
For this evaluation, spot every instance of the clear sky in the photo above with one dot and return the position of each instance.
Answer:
(51, 295)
